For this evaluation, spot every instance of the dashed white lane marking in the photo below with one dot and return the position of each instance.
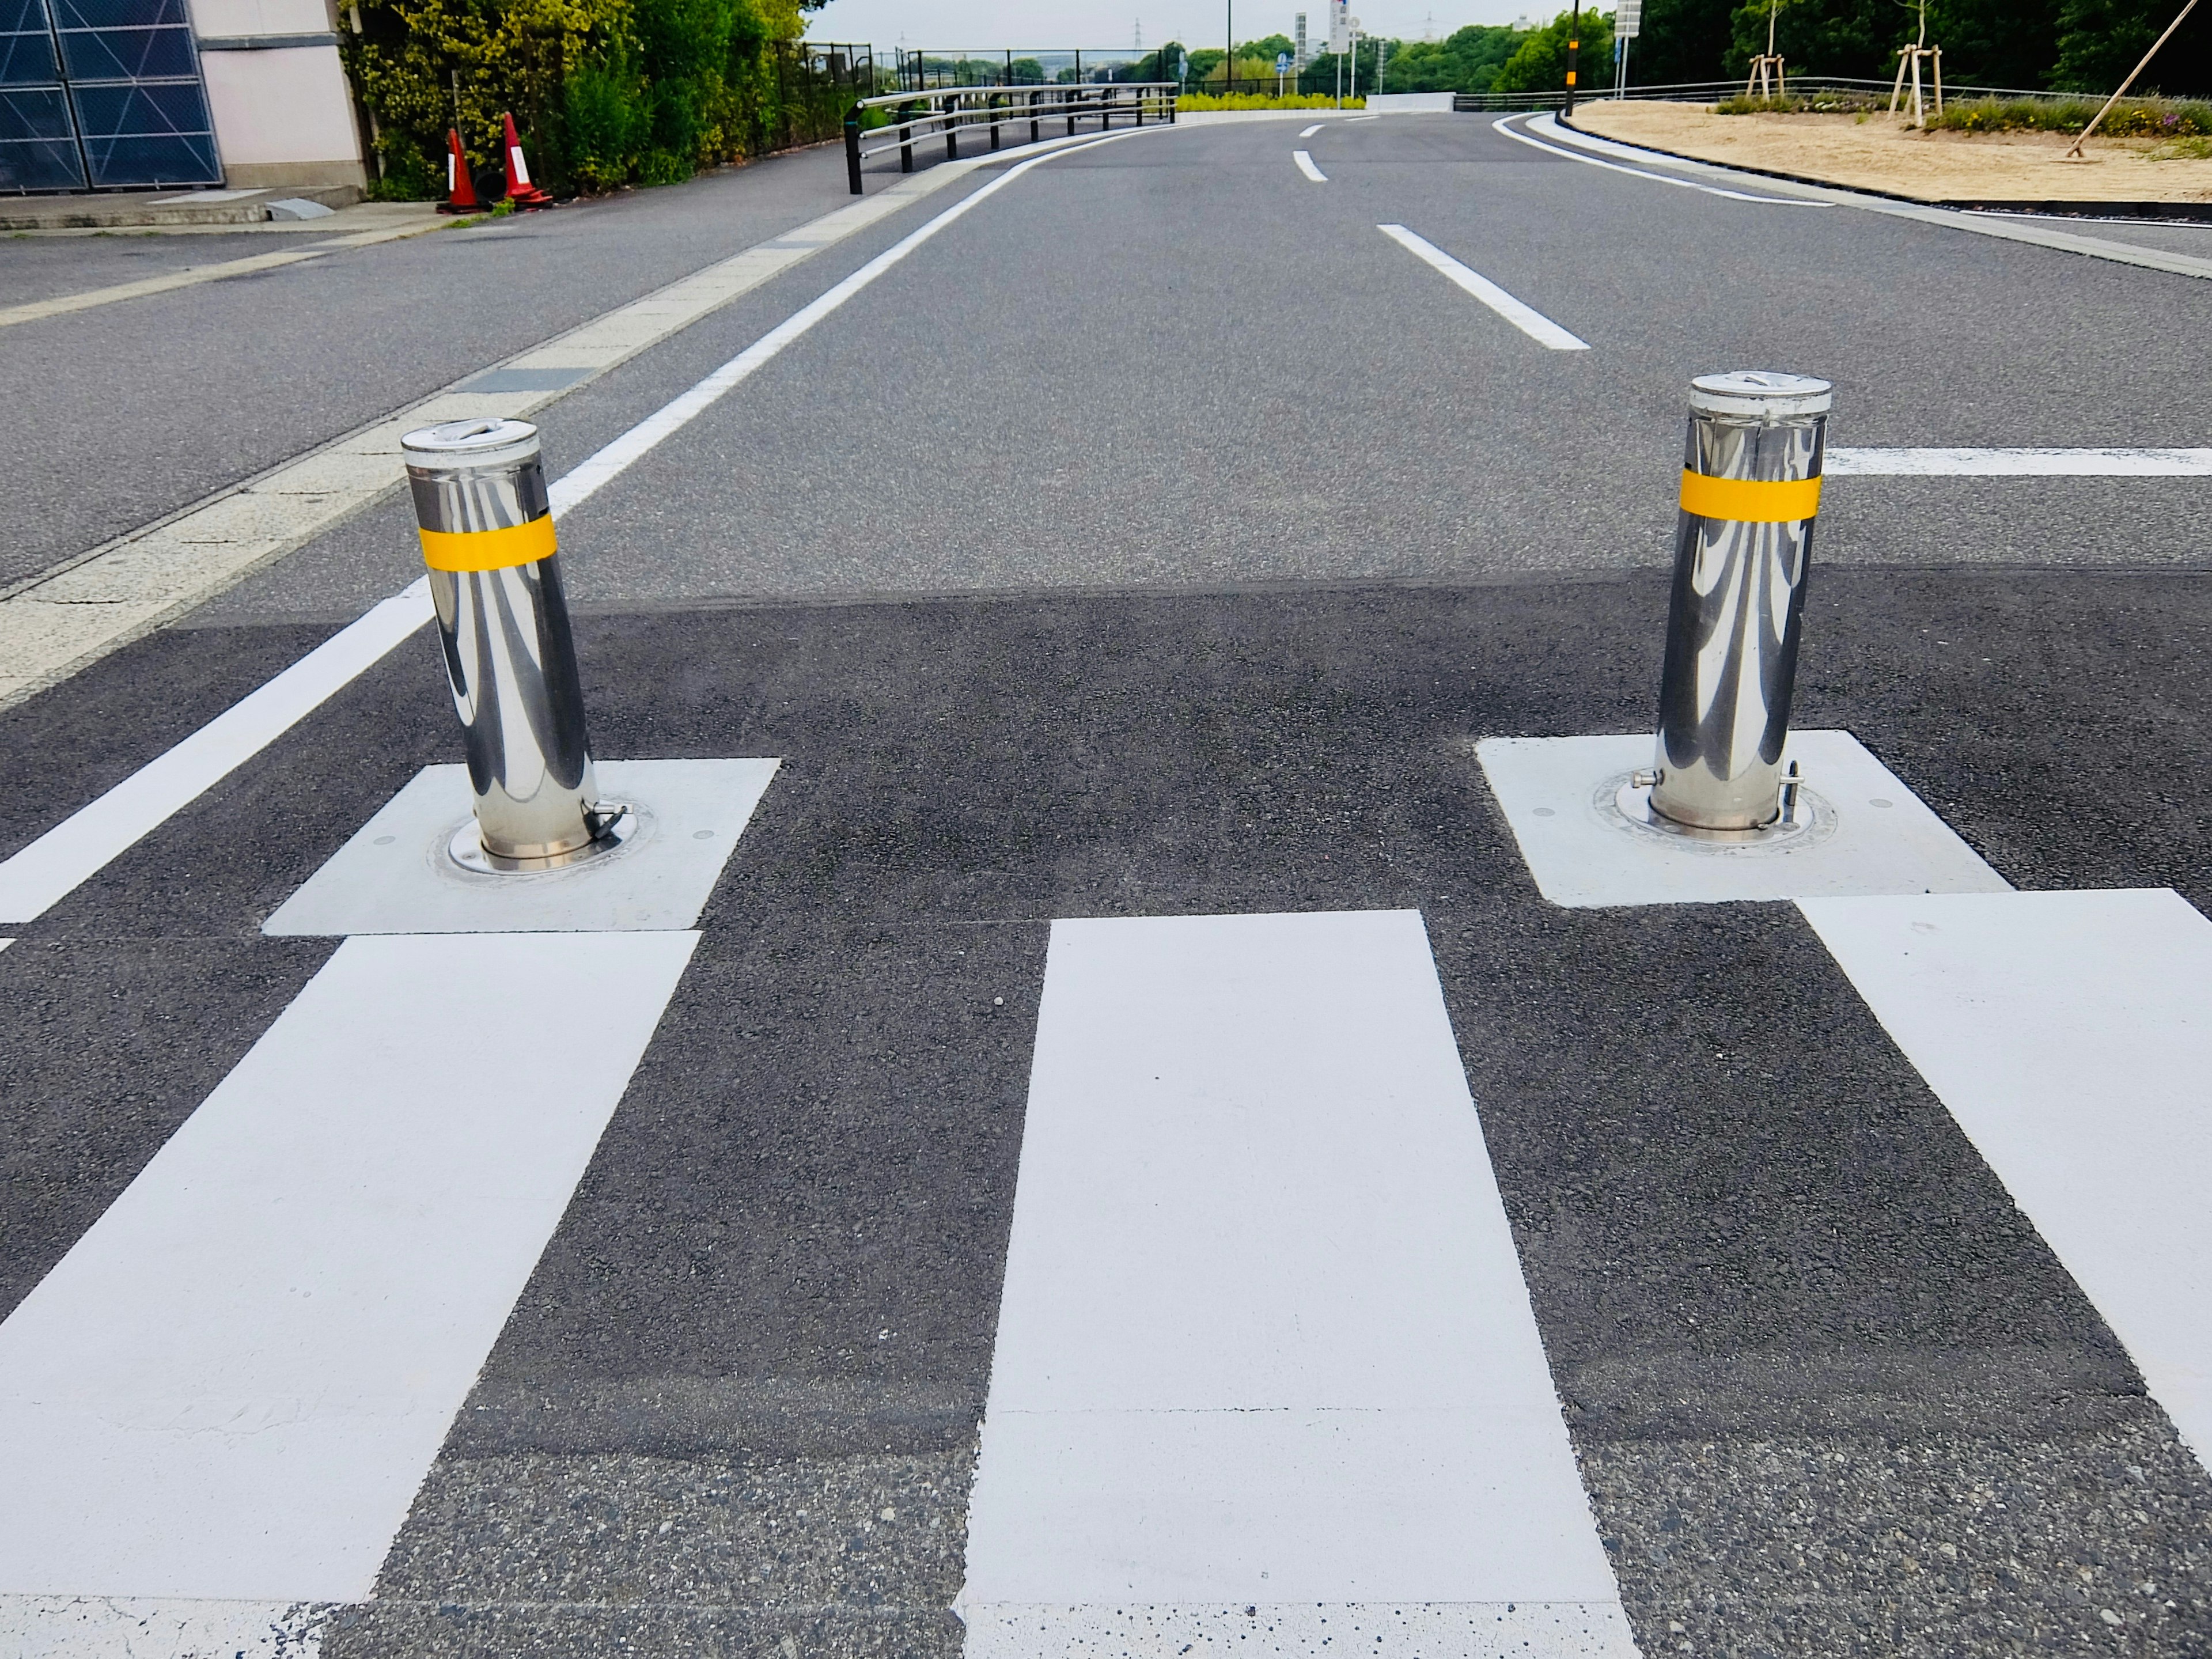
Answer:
(2070, 1034)
(1308, 132)
(232, 1384)
(1306, 165)
(42, 873)
(1265, 1342)
(2020, 463)
(1531, 321)
(1504, 127)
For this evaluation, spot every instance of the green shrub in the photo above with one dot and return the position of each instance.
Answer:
(1201, 102)
(2135, 118)
(606, 121)
(605, 92)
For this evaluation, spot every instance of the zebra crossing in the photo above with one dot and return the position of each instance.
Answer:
(1152, 1262)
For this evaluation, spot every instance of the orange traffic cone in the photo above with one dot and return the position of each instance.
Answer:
(520, 191)
(461, 189)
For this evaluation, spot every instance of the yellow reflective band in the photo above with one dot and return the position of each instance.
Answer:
(487, 550)
(1746, 500)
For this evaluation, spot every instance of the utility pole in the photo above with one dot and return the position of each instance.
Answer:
(1574, 53)
(1228, 64)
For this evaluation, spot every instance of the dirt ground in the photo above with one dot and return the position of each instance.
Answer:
(1875, 152)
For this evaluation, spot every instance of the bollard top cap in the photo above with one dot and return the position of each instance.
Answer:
(1764, 394)
(471, 445)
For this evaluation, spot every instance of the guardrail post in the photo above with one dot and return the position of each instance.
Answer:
(1033, 117)
(951, 112)
(906, 141)
(486, 532)
(852, 148)
(994, 106)
(1751, 490)
(1070, 101)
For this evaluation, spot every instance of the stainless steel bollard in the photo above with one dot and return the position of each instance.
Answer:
(1751, 490)
(486, 533)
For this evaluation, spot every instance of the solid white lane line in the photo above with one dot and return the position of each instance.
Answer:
(1308, 132)
(617, 457)
(232, 1384)
(1264, 1342)
(42, 873)
(39, 875)
(1502, 125)
(2070, 1034)
(1531, 322)
(1306, 165)
(2020, 463)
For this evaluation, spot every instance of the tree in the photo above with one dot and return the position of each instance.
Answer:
(2100, 40)
(1824, 37)
(1682, 40)
(1996, 43)
(1540, 62)
(1466, 61)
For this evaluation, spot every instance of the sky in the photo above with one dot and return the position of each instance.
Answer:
(984, 25)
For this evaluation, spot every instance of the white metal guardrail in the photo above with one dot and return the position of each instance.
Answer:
(949, 111)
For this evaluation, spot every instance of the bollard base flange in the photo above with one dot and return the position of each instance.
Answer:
(466, 849)
(1632, 800)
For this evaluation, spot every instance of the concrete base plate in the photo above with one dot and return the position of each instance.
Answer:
(395, 876)
(1869, 835)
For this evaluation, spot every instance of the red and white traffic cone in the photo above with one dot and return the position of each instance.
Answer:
(461, 189)
(520, 191)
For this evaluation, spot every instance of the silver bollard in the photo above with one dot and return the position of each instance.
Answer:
(486, 532)
(1751, 490)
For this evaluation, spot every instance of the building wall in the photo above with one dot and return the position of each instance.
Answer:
(283, 114)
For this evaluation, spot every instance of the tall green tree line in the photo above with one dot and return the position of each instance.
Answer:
(2076, 45)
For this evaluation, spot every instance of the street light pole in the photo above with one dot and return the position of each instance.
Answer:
(1229, 61)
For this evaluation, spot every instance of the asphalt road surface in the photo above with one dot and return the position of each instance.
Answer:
(1159, 539)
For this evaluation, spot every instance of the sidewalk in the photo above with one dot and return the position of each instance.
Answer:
(205, 209)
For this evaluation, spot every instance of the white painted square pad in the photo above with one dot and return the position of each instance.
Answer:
(394, 876)
(1872, 836)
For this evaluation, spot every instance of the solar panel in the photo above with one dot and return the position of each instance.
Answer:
(101, 93)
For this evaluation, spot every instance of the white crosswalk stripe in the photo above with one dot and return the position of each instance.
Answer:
(1266, 1365)
(2070, 1034)
(231, 1387)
